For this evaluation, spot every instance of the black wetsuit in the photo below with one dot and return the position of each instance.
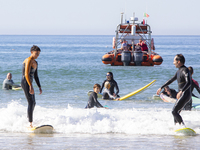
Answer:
(184, 84)
(93, 101)
(25, 86)
(173, 93)
(188, 106)
(113, 84)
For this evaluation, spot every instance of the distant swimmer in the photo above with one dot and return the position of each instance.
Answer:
(29, 71)
(113, 84)
(8, 83)
(184, 85)
(169, 92)
(107, 92)
(195, 85)
(93, 98)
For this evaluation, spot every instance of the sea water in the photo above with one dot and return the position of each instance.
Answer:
(68, 67)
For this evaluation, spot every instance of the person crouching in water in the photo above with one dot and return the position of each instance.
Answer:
(29, 71)
(106, 92)
(93, 98)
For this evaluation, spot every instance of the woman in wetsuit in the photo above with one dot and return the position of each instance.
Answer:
(184, 85)
(113, 84)
(29, 71)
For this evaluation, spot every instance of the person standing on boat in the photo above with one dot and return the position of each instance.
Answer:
(195, 85)
(113, 84)
(143, 45)
(29, 71)
(184, 84)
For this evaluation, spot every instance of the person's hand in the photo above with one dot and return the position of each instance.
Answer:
(158, 91)
(117, 99)
(114, 95)
(40, 90)
(179, 94)
(31, 90)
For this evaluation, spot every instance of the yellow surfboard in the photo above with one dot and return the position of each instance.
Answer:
(186, 131)
(42, 129)
(137, 91)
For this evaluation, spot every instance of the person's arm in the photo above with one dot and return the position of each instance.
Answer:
(102, 86)
(27, 70)
(117, 88)
(37, 81)
(98, 105)
(167, 83)
(197, 88)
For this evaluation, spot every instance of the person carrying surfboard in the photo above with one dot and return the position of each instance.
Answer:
(184, 85)
(113, 84)
(107, 92)
(29, 71)
(93, 98)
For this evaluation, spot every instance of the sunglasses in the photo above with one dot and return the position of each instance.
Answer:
(108, 75)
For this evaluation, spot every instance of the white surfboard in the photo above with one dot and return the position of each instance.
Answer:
(42, 129)
(168, 99)
(186, 131)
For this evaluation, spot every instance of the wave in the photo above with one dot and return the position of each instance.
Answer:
(69, 120)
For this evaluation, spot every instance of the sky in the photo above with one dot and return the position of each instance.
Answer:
(96, 17)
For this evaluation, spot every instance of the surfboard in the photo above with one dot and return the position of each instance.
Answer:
(17, 88)
(195, 100)
(156, 97)
(168, 99)
(42, 129)
(186, 131)
(137, 91)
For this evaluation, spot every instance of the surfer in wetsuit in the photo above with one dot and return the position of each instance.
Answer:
(184, 85)
(169, 92)
(195, 85)
(113, 84)
(107, 92)
(8, 83)
(93, 98)
(29, 71)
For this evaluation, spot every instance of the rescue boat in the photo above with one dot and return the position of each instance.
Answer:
(133, 55)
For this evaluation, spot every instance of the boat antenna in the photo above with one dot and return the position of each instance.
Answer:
(122, 17)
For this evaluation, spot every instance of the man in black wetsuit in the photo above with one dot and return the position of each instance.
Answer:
(184, 85)
(113, 84)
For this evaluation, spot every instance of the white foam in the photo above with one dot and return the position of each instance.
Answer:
(75, 120)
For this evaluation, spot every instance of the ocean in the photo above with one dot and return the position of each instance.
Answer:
(68, 67)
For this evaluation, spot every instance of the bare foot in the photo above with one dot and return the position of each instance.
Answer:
(31, 125)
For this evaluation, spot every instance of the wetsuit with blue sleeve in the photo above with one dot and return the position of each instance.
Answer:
(183, 78)
(28, 73)
(93, 101)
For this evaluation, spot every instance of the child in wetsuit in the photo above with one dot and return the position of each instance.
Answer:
(106, 92)
(93, 98)
(29, 71)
